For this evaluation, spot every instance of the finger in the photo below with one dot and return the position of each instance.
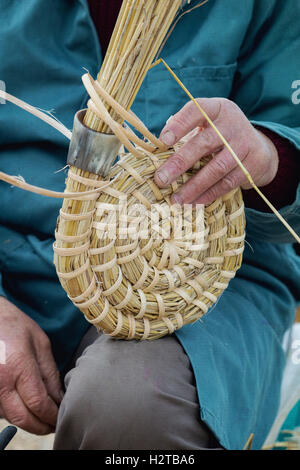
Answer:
(203, 143)
(216, 170)
(16, 413)
(232, 180)
(32, 391)
(188, 118)
(48, 370)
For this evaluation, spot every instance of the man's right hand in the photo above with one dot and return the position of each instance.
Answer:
(30, 387)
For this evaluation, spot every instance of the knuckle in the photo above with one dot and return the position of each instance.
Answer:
(190, 106)
(218, 168)
(211, 194)
(228, 183)
(227, 104)
(7, 386)
(19, 419)
(185, 116)
(53, 375)
(5, 392)
(16, 361)
(228, 108)
(179, 163)
(36, 404)
(208, 140)
(44, 342)
(179, 120)
(243, 149)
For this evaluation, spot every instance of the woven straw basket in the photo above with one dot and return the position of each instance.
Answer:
(136, 266)
(128, 285)
(145, 288)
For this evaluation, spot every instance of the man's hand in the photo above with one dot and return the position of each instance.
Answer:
(221, 174)
(30, 388)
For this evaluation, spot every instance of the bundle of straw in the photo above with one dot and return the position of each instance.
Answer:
(131, 286)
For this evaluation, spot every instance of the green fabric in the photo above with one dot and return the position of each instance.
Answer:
(292, 421)
(246, 51)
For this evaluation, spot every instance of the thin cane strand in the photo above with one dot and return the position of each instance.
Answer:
(36, 112)
(176, 22)
(229, 148)
(17, 182)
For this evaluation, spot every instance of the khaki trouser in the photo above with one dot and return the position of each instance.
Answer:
(130, 395)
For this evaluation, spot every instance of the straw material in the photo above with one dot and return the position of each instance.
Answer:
(128, 285)
(144, 288)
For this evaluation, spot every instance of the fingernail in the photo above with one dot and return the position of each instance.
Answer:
(163, 176)
(177, 199)
(168, 138)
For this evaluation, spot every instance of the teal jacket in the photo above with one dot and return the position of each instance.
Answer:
(247, 51)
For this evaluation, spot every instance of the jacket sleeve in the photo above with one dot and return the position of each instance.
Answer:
(267, 88)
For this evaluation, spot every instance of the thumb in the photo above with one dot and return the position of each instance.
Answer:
(48, 370)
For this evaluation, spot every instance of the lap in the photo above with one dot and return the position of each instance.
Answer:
(131, 395)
